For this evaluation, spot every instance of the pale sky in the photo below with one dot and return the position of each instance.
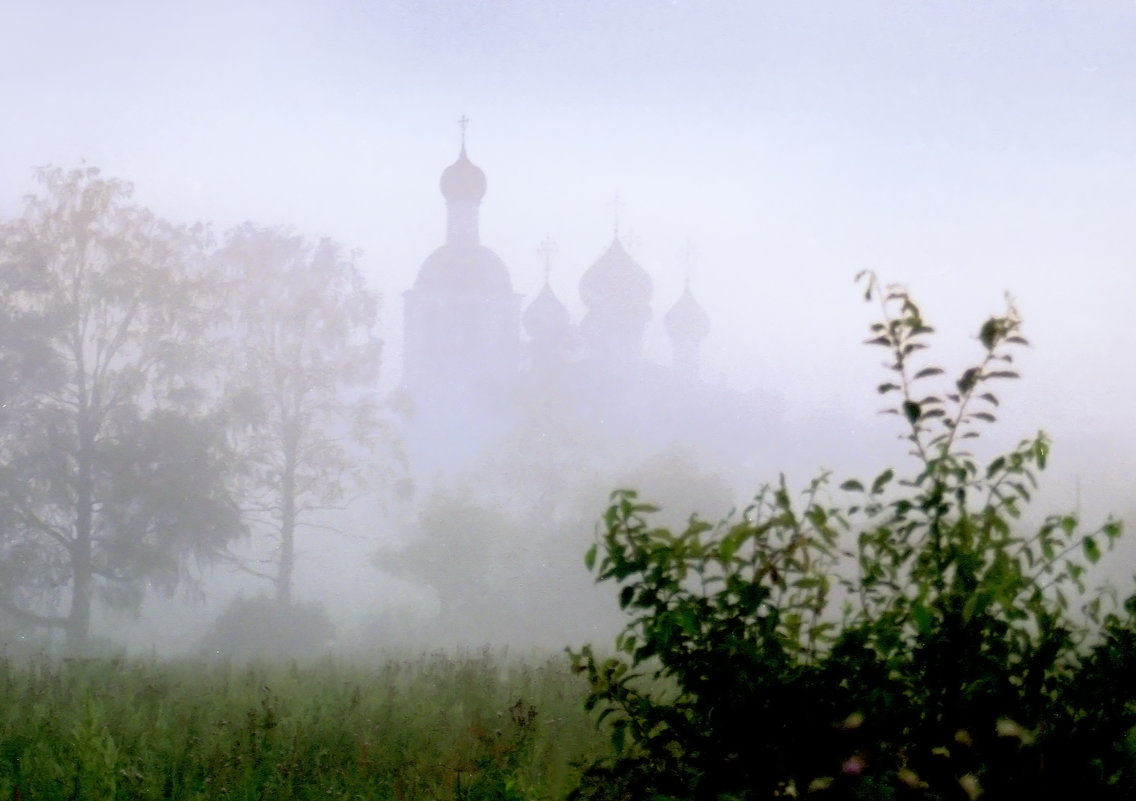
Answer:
(962, 148)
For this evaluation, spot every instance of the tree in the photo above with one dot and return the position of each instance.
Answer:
(495, 542)
(111, 465)
(907, 639)
(302, 364)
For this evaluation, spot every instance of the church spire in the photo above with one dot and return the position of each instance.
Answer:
(616, 208)
(546, 251)
(463, 186)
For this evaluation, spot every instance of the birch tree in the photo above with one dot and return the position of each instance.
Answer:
(112, 471)
(303, 376)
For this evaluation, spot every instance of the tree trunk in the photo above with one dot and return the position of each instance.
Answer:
(79, 618)
(287, 533)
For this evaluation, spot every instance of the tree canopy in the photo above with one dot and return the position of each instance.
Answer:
(112, 468)
(301, 363)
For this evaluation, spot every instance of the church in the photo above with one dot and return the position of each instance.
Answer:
(474, 352)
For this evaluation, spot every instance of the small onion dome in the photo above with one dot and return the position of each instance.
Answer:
(463, 181)
(546, 319)
(454, 268)
(615, 280)
(687, 320)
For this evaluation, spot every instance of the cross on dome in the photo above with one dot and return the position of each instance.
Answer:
(616, 208)
(463, 182)
(463, 122)
(546, 251)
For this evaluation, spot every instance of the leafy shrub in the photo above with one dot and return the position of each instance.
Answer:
(263, 627)
(897, 638)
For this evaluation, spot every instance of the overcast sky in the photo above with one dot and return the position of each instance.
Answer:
(964, 148)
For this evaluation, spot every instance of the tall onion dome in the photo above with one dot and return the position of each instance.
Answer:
(617, 293)
(461, 317)
(687, 326)
(463, 186)
(463, 262)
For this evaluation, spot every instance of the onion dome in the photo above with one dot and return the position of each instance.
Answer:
(464, 269)
(615, 280)
(687, 320)
(546, 319)
(463, 181)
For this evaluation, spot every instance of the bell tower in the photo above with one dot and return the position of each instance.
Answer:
(461, 319)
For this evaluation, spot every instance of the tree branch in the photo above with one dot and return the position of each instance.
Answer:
(31, 617)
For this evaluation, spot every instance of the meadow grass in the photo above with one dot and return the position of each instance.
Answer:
(475, 725)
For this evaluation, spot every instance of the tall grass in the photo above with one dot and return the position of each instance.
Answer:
(466, 727)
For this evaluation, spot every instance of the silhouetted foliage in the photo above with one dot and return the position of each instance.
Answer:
(111, 462)
(302, 367)
(261, 628)
(902, 637)
(496, 543)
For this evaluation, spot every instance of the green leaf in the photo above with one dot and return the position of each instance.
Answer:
(619, 735)
(975, 605)
(929, 371)
(590, 558)
(1047, 550)
(728, 548)
(1091, 549)
(688, 621)
(882, 481)
(991, 330)
(968, 380)
(924, 621)
(911, 411)
(1021, 489)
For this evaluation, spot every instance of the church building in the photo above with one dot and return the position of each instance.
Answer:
(470, 342)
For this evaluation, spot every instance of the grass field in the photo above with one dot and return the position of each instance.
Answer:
(467, 726)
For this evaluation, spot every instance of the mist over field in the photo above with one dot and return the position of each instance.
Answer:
(547, 250)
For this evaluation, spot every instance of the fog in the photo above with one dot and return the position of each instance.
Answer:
(759, 153)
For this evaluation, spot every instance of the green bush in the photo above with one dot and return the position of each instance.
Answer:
(900, 638)
(264, 628)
